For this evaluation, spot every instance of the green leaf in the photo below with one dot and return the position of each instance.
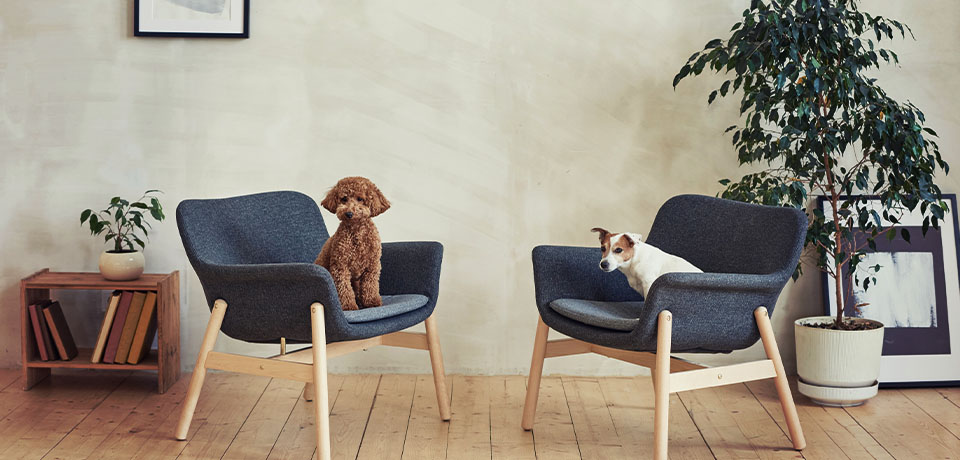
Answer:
(905, 234)
(85, 215)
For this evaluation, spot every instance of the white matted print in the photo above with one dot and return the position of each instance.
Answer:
(192, 18)
(916, 297)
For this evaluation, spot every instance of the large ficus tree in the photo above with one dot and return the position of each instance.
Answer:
(815, 122)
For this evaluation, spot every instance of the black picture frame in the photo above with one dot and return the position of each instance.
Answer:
(140, 33)
(902, 342)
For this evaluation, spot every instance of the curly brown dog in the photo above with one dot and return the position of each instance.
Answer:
(352, 254)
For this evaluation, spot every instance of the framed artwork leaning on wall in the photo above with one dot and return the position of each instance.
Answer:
(916, 297)
(192, 18)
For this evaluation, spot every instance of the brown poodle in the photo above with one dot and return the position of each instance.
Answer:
(352, 254)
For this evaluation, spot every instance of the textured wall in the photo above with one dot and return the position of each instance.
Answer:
(493, 126)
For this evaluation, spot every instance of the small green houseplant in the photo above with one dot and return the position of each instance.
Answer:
(124, 224)
(815, 122)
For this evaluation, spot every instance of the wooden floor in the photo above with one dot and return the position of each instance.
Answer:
(79, 414)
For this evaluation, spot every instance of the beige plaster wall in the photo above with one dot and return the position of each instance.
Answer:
(493, 126)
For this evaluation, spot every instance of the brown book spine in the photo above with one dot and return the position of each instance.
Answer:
(60, 331)
(117, 329)
(129, 327)
(47, 339)
(146, 327)
(38, 333)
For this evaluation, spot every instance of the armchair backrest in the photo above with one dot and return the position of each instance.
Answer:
(724, 236)
(271, 227)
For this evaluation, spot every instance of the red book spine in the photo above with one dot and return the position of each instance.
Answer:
(38, 333)
(117, 329)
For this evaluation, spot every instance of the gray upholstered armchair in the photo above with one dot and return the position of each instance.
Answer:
(748, 253)
(255, 253)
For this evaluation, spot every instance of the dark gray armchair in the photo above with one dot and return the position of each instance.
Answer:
(747, 252)
(255, 253)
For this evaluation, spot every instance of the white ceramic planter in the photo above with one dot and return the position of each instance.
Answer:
(837, 367)
(121, 266)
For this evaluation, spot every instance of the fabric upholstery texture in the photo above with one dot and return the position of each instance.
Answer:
(619, 316)
(747, 252)
(256, 252)
(393, 305)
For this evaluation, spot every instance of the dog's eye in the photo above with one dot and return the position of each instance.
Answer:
(343, 200)
(603, 248)
(360, 199)
(618, 250)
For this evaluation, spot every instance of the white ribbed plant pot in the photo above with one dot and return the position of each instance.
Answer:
(837, 368)
(121, 266)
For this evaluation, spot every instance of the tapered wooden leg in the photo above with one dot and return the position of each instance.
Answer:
(200, 370)
(436, 361)
(536, 371)
(661, 388)
(783, 386)
(308, 391)
(320, 401)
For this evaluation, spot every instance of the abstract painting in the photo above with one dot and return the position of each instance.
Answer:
(916, 296)
(192, 18)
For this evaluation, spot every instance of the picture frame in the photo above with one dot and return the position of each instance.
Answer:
(921, 345)
(192, 18)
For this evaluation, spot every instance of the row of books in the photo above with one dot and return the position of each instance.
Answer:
(128, 328)
(50, 329)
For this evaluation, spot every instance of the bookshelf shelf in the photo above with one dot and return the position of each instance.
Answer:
(165, 359)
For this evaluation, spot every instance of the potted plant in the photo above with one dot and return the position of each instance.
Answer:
(120, 223)
(815, 123)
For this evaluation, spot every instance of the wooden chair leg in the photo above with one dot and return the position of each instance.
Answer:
(321, 402)
(308, 391)
(783, 386)
(436, 361)
(661, 379)
(200, 370)
(536, 371)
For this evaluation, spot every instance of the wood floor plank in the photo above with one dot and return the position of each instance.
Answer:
(350, 413)
(223, 424)
(553, 433)
(596, 434)
(937, 406)
(904, 429)
(507, 439)
(469, 436)
(427, 435)
(82, 442)
(149, 421)
(952, 394)
(261, 429)
(59, 405)
(717, 425)
(298, 438)
(630, 401)
(9, 377)
(831, 432)
(387, 427)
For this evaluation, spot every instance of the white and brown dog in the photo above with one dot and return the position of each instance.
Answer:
(641, 262)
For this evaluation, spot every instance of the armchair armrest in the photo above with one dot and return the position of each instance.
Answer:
(711, 311)
(571, 272)
(263, 300)
(411, 267)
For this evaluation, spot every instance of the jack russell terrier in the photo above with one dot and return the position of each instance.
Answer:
(641, 262)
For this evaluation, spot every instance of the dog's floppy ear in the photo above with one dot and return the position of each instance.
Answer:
(330, 201)
(603, 233)
(633, 238)
(378, 202)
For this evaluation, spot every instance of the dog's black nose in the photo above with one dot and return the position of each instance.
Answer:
(604, 264)
(349, 214)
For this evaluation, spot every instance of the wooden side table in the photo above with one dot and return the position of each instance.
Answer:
(165, 359)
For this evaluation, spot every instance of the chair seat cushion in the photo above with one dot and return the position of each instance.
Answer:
(619, 316)
(393, 305)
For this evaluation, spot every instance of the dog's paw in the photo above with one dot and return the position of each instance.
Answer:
(350, 306)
